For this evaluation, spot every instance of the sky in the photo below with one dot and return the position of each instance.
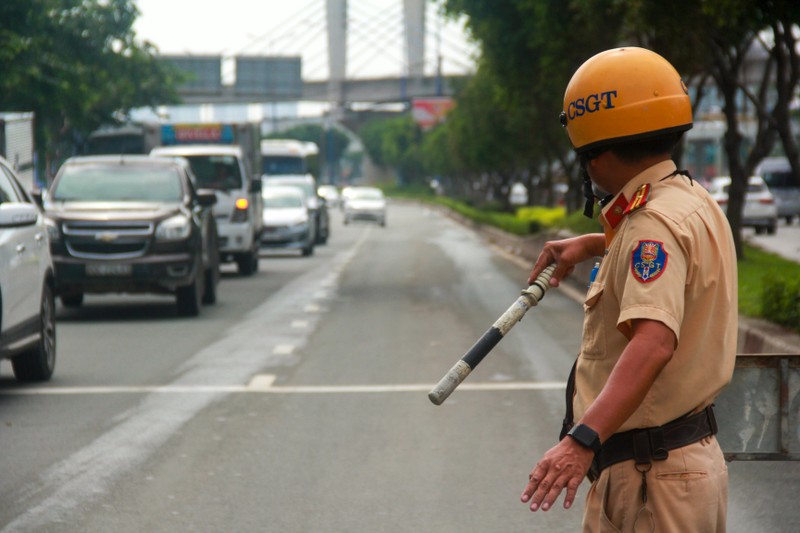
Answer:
(297, 27)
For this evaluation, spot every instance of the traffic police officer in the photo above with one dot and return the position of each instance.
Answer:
(659, 334)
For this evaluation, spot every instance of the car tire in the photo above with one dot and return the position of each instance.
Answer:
(248, 263)
(188, 299)
(38, 363)
(772, 228)
(72, 300)
(308, 250)
(209, 286)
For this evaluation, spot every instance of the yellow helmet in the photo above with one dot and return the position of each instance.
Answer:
(624, 94)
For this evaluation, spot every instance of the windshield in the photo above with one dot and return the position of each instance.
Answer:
(283, 201)
(274, 165)
(366, 194)
(118, 183)
(219, 172)
(307, 186)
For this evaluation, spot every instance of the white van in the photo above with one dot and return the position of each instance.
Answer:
(238, 210)
(784, 186)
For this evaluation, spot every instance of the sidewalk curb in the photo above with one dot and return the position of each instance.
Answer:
(756, 336)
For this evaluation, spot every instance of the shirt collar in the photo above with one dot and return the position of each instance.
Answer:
(614, 211)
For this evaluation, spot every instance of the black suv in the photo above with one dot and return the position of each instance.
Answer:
(132, 224)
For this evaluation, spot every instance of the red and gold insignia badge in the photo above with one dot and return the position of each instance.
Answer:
(648, 261)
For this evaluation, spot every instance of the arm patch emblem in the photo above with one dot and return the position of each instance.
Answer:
(648, 261)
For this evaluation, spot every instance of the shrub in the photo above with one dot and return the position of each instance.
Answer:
(780, 301)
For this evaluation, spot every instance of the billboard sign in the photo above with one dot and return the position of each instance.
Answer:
(197, 133)
(428, 112)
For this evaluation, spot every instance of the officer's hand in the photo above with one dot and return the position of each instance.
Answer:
(566, 254)
(563, 467)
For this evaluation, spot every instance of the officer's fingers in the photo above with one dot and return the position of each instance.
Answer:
(572, 490)
(561, 480)
(535, 477)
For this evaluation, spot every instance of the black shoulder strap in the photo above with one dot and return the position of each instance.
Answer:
(568, 422)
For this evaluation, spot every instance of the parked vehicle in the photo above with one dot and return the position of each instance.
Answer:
(759, 212)
(225, 170)
(365, 203)
(288, 224)
(27, 301)
(132, 224)
(784, 185)
(316, 204)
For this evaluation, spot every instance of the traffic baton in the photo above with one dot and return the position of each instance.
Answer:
(530, 297)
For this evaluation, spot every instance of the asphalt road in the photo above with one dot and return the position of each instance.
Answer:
(298, 403)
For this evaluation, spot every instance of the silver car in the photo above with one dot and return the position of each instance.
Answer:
(365, 203)
(760, 210)
(288, 223)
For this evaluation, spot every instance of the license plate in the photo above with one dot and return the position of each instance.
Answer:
(108, 270)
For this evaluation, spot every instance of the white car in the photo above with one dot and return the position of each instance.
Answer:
(288, 223)
(760, 210)
(365, 203)
(224, 169)
(27, 298)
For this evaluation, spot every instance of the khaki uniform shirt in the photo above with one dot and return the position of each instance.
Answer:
(670, 258)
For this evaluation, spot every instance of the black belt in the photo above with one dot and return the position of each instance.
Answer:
(653, 444)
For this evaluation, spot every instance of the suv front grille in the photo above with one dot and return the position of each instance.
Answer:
(107, 240)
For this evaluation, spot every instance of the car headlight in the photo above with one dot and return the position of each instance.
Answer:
(174, 228)
(53, 230)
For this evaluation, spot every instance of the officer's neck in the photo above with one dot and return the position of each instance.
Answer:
(612, 173)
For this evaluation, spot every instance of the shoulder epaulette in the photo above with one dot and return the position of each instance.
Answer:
(639, 199)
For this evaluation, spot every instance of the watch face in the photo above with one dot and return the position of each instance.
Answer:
(586, 436)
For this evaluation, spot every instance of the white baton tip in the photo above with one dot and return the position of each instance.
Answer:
(449, 382)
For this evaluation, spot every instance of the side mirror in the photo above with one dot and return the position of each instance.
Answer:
(206, 197)
(14, 215)
(256, 185)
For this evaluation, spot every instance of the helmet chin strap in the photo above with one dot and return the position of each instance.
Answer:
(588, 190)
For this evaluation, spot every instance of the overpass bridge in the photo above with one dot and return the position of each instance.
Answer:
(283, 73)
(372, 90)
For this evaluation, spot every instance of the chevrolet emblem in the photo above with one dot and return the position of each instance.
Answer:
(106, 236)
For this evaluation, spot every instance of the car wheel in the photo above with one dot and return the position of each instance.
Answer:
(771, 229)
(188, 299)
(308, 250)
(38, 363)
(72, 300)
(760, 230)
(209, 286)
(248, 263)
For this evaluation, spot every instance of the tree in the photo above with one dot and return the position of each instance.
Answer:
(76, 64)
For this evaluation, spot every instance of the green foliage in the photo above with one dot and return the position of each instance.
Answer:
(543, 217)
(767, 286)
(395, 143)
(75, 64)
(780, 302)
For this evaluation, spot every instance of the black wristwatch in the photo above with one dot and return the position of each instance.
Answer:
(586, 437)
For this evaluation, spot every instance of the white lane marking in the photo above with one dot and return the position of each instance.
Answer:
(299, 324)
(312, 308)
(283, 349)
(263, 383)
